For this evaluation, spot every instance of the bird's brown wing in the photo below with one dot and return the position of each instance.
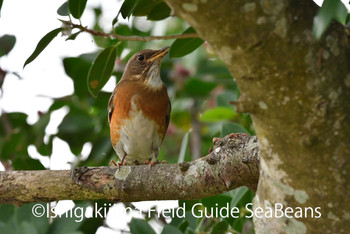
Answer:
(167, 118)
(111, 105)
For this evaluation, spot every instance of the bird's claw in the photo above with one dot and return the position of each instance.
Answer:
(119, 164)
(151, 164)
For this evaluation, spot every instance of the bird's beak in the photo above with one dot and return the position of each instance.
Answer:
(159, 54)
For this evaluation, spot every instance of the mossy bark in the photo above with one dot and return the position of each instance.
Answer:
(297, 90)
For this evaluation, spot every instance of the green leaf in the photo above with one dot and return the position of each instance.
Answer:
(224, 98)
(228, 128)
(76, 128)
(127, 8)
(64, 225)
(197, 87)
(42, 45)
(98, 154)
(73, 36)
(101, 69)
(140, 226)
(77, 7)
(7, 42)
(159, 12)
(330, 10)
(240, 192)
(218, 114)
(77, 69)
(123, 29)
(143, 7)
(220, 227)
(63, 10)
(21, 220)
(219, 201)
(188, 204)
(76, 123)
(182, 47)
(169, 229)
(27, 163)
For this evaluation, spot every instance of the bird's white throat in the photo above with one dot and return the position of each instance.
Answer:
(153, 75)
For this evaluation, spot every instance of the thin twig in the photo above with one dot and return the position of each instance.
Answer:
(126, 38)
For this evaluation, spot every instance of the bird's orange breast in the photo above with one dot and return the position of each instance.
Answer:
(154, 104)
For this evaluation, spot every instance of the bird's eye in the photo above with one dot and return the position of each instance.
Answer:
(141, 57)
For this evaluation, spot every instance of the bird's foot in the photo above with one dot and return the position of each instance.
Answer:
(119, 164)
(151, 164)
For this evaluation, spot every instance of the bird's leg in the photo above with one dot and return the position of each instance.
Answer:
(151, 164)
(112, 162)
(121, 163)
(156, 152)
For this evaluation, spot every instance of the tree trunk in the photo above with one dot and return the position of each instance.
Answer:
(297, 90)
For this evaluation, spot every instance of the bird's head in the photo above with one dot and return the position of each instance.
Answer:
(144, 66)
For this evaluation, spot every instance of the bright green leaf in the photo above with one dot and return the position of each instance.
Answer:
(159, 12)
(101, 69)
(330, 10)
(140, 226)
(63, 10)
(7, 42)
(77, 7)
(182, 47)
(42, 45)
(218, 114)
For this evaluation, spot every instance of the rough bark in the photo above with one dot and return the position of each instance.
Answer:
(232, 163)
(298, 92)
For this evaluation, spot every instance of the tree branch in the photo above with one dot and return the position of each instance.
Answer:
(126, 38)
(232, 163)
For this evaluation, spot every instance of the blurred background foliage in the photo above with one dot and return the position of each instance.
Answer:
(200, 88)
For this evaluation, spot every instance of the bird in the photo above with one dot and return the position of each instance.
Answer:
(139, 110)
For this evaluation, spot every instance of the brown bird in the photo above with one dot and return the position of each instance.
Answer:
(139, 109)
